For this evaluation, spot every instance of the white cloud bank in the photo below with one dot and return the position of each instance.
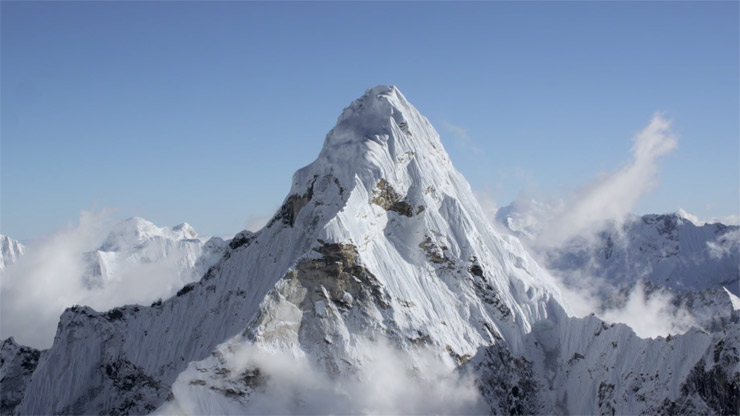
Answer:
(387, 381)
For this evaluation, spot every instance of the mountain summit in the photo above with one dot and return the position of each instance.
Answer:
(380, 237)
(379, 250)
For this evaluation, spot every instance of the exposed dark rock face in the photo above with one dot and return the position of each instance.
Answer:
(17, 363)
(606, 399)
(717, 389)
(134, 386)
(332, 288)
(339, 273)
(386, 197)
(435, 253)
(507, 382)
(486, 292)
(292, 206)
(242, 239)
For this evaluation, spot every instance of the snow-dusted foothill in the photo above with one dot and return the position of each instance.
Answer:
(378, 281)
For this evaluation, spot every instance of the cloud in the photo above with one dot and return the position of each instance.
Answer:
(612, 196)
(650, 315)
(35, 290)
(725, 245)
(386, 381)
(461, 136)
(726, 220)
(689, 216)
(50, 277)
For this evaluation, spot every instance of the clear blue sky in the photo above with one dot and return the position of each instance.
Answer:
(201, 112)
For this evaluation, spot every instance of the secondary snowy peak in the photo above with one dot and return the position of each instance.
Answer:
(10, 251)
(135, 244)
(132, 231)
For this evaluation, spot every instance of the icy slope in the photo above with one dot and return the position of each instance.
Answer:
(10, 251)
(379, 237)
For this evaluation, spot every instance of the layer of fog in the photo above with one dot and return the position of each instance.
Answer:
(48, 278)
(386, 381)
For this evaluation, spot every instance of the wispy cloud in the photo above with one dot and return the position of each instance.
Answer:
(461, 136)
(612, 196)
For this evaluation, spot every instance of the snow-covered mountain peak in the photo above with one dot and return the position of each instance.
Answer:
(185, 230)
(384, 192)
(134, 230)
(377, 136)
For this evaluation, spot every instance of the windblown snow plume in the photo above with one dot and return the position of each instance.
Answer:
(613, 196)
(600, 251)
(607, 199)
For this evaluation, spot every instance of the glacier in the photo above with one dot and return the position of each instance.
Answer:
(379, 261)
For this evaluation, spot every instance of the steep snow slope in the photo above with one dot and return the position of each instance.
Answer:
(379, 237)
(585, 366)
(10, 251)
